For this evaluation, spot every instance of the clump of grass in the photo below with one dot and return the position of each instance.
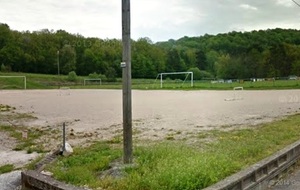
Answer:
(6, 108)
(6, 168)
(25, 144)
(31, 165)
(28, 144)
(170, 137)
(84, 166)
(24, 116)
(116, 140)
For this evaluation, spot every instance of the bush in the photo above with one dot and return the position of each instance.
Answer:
(93, 75)
(72, 76)
(102, 77)
(200, 74)
(111, 74)
(97, 76)
(4, 68)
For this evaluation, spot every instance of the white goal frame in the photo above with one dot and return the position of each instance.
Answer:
(176, 73)
(64, 90)
(84, 81)
(235, 95)
(25, 81)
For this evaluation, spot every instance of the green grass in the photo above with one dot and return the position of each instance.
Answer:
(34, 81)
(42, 81)
(6, 108)
(177, 165)
(25, 144)
(85, 164)
(6, 168)
(31, 165)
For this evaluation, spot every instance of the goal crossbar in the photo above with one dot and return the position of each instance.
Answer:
(176, 73)
(25, 82)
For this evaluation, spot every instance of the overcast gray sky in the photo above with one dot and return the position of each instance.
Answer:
(159, 20)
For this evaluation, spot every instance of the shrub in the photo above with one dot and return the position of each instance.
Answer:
(111, 74)
(3, 68)
(97, 76)
(200, 74)
(72, 76)
(102, 77)
(94, 75)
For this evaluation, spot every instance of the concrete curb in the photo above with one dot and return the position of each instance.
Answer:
(46, 160)
(34, 180)
(259, 176)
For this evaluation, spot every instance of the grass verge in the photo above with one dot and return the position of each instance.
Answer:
(85, 164)
(176, 165)
(6, 168)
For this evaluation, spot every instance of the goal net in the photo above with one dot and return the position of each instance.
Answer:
(92, 82)
(13, 82)
(188, 75)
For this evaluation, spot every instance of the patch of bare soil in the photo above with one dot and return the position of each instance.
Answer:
(8, 143)
(19, 158)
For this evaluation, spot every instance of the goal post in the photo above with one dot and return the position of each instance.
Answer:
(176, 73)
(97, 81)
(23, 77)
(236, 95)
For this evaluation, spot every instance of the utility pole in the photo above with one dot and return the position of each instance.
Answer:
(126, 77)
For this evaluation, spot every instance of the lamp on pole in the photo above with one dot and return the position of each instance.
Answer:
(58, 62)
(126, 77)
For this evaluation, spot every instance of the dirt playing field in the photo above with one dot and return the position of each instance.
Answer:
(98, 113)
(88, 110)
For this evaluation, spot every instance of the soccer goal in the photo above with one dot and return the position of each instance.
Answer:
(191, 74)
(64, 91)
(7, 81)
(92, 82)
(236, 95)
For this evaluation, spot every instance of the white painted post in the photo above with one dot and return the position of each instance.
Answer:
(192, 78)
(161, 85)
(25, 86)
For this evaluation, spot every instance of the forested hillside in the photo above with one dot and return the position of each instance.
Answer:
(268, 53)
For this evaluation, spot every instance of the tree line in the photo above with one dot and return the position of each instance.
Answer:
(234, 55)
